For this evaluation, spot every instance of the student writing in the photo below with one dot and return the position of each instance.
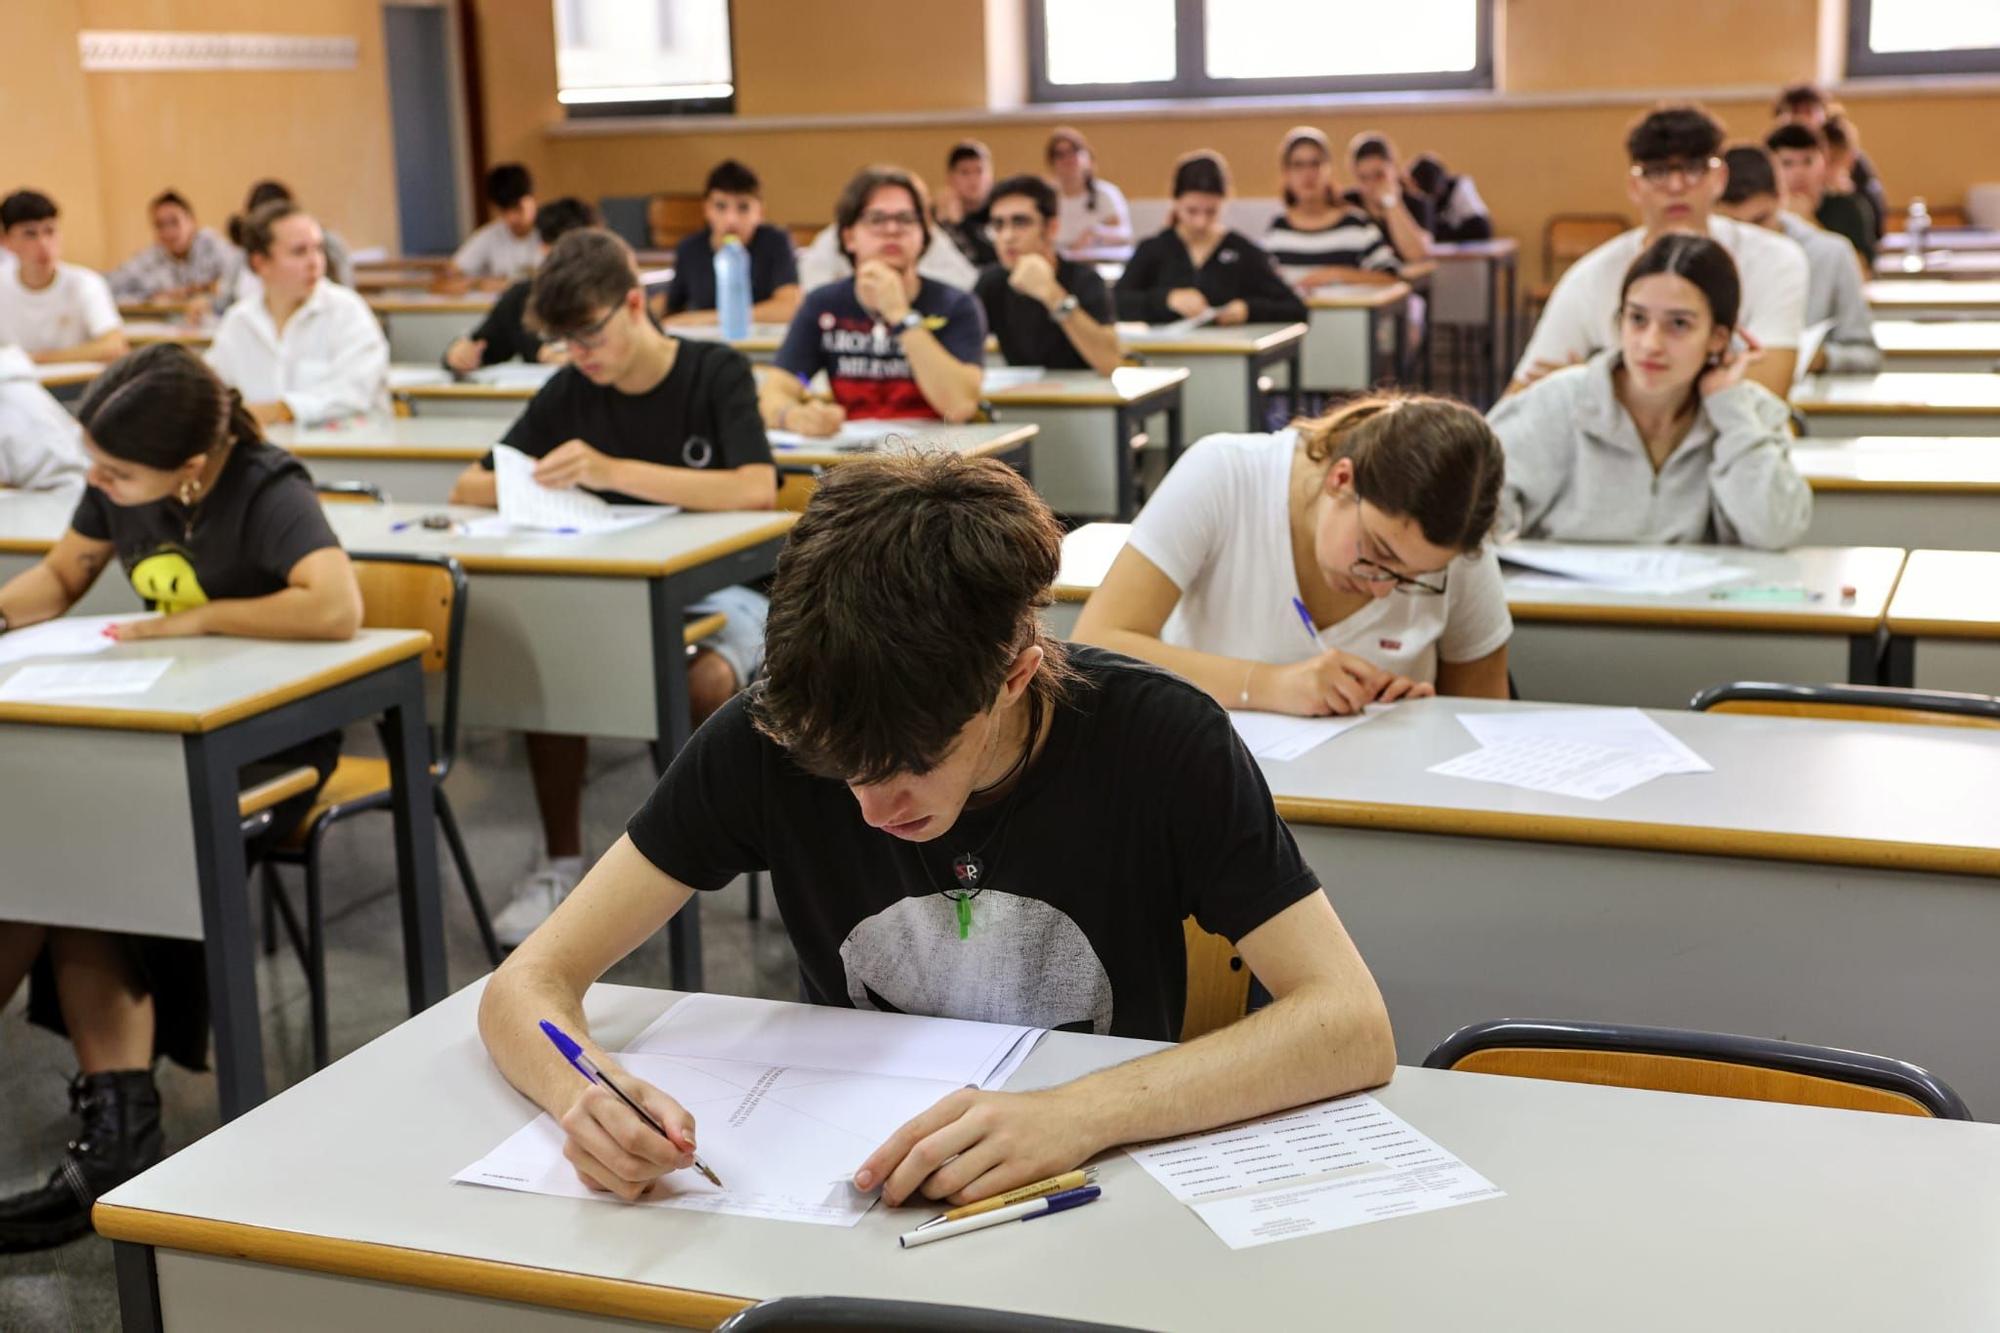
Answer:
(1197, 264)
(504, 335)
(1661, 438)
(636, 416)
(917, 735)
(221, 534)
(1374, 516)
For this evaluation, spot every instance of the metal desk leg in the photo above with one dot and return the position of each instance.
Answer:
(1176, 442)
(1125, 422)
(407, 740)
(1899, 662)
(1865, 659)
(230, 953)
(670, 703)
(138, 1287)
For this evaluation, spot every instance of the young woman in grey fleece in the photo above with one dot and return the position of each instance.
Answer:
(1659, 439)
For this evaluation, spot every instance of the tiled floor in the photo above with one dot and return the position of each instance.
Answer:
(72, 1288)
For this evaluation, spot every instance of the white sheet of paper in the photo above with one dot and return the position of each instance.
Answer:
(514, 375)
(66, 636)
(1617, 728)
(1181, 327)
(526, 503)
(1811, 338)
(417, 377)
(1561, 767)
(1281, 736)
(1012, 377)
(864, 434)
(73, 680)
(1318, 1168)
(1647, 569)
(788, 1099)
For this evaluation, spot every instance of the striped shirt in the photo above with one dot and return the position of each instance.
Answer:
(1353, 241)
(210, 262)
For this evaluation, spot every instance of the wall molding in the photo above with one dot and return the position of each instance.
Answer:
(104, 50)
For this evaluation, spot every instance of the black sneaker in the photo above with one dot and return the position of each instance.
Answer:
(120, 1137)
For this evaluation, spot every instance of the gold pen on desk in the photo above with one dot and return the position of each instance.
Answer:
(1069, 1180)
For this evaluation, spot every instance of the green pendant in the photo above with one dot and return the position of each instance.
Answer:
(964, 917)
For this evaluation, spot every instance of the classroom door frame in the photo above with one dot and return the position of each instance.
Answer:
(415, 217)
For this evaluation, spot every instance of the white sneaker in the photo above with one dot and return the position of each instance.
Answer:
(535, 898)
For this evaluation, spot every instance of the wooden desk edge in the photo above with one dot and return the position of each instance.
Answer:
(1862, 619)
(1684, 839)
(133, 719)
(1387, 293)
(1914, 486)
(609, 567)
(1916, 627)
(480, 391)
(1819, 407)
(1025, 395)
(397, 1266)
(407, 453)
(1195, 345)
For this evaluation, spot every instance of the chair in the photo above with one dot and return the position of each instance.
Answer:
(1851, 703)
(1218, 983)
(402, 592)
(349, 492)
(669, 217)
(840, 1314)
(1707, 1064)
(1566, 238)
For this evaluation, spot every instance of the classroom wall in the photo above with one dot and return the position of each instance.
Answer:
(1585, 57)
(120, 138)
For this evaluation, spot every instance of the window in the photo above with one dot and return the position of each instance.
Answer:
(1093, 49)
(1890, 37)
(644, 57)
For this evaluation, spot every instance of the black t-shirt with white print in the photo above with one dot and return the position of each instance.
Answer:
(1143, 808)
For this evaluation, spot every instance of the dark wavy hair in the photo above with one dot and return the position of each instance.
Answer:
(160, 406)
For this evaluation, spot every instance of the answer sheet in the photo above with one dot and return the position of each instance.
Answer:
(1617, 728)
(1319, 1168)
(788, 1100)
(65, 636)
(526, 503)
(1635, 569)
(1282, 736)
(79, 680)
(1558, 766)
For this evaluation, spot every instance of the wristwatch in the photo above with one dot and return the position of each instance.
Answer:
(1066, 306)
(910, 320)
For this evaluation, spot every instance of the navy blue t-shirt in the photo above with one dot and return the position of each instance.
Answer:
(862, 358)
(693, 288)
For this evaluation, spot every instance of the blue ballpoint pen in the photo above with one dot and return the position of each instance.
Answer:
(1305, 618)
(587, 1067)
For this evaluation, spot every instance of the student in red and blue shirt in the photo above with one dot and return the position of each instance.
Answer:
(892, 343)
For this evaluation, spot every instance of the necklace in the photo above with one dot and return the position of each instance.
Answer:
(968, 869)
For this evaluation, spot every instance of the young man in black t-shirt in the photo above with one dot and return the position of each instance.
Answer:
(918, 739)
(637, 417)
(1045, 310)
(733, 204)
(503, 335)
(892, 342)
(962, 210)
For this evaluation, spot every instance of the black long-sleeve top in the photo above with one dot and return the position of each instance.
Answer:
(1237, 270)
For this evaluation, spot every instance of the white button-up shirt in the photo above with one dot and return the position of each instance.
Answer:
(331, 361)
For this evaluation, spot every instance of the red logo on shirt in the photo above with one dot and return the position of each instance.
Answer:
(1390, 645)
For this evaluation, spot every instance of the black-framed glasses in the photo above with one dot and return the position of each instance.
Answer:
(592, 338)
(1370, 572)
(1025, 223)
(1674, 171)
(877, 220)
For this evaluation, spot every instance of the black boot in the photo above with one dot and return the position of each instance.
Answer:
(119, 1139)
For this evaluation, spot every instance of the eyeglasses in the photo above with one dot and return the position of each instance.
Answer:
(875, 220)
(1674, 172)
(590, 339)
(1026, 223)
(1371, 571)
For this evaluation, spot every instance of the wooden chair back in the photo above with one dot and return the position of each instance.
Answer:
(1672, 1073)
(1568, 237)
(669, 217)
(400, 595)
(1218, 982)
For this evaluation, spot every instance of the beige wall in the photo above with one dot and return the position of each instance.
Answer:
(120, 138)
(1592, 45)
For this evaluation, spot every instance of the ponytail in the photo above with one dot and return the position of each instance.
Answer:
(1428, 459)
(160, 406)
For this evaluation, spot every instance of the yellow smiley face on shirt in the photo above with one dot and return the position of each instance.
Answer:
(167, 582)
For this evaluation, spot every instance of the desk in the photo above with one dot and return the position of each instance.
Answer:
(1476, 288)
(1900, 403)
(1903, 491)
(420, 325)
(1945, 345)
(1596, 645)
(583, 635)
(30, 523)
(1225, 367)
(239, 1230)
(1088, 424)
(761, 347)
(66, 380)
(1943, 238)
(1012, 444)
(495, 393)
(1944, 624)
(1801, 890)
(410, 458)
(373, 280)
(1933, 298)
(1087, 553)
(146, 332)
(121, 812)
(1957, 264)
(1356, 335)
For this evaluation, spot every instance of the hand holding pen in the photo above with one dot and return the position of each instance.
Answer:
(622, 1137)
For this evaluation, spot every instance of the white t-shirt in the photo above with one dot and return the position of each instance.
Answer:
(72, 309)
(41, 445)
(494, 251)
(1581, 318)
(1074, 215)
(1219, 529)
(331, 361)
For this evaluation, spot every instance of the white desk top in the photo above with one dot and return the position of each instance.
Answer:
(1084, 388)
(1610, 1187)
(1892, 294)
(1949, 594)
(30, 521)
(1842, 793)
(650, 550)
(1356, 295)
(1953, 464)
(763, 337)
(1828, 570)
(216, 681)
(1499, 247)
(415, 303)
(1904, 392)
(1945, 238)
(975, 439)
(1941, 264)
(450, 438)
(1974, 339)
(143, 332)
(1209, 340)
(62, 374)
(1087, 553)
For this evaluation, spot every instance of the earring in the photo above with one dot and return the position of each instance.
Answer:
(190, 488)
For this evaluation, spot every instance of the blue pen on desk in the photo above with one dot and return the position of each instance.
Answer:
(1027, 1211)
(1306, 619)
(587, 1067)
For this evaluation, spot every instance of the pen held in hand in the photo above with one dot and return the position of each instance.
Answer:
(587, 1067)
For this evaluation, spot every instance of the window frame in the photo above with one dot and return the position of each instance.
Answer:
(1864, 62)
(1190, 82)
(665, 108)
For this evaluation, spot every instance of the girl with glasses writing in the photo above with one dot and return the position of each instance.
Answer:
(1372, 518)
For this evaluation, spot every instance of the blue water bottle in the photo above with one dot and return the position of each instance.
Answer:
(732, 289)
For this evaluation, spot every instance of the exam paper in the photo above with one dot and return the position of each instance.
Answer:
(526, 503)
(1012, 377)
(1319, 1168)
(1811, 338)
(1639, 569)
(1282, 736)
(65, 636)
(514, 375)
(1559, 766)
(867, 433)
(73, 680)
(788, 1100)
(1618, 728)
